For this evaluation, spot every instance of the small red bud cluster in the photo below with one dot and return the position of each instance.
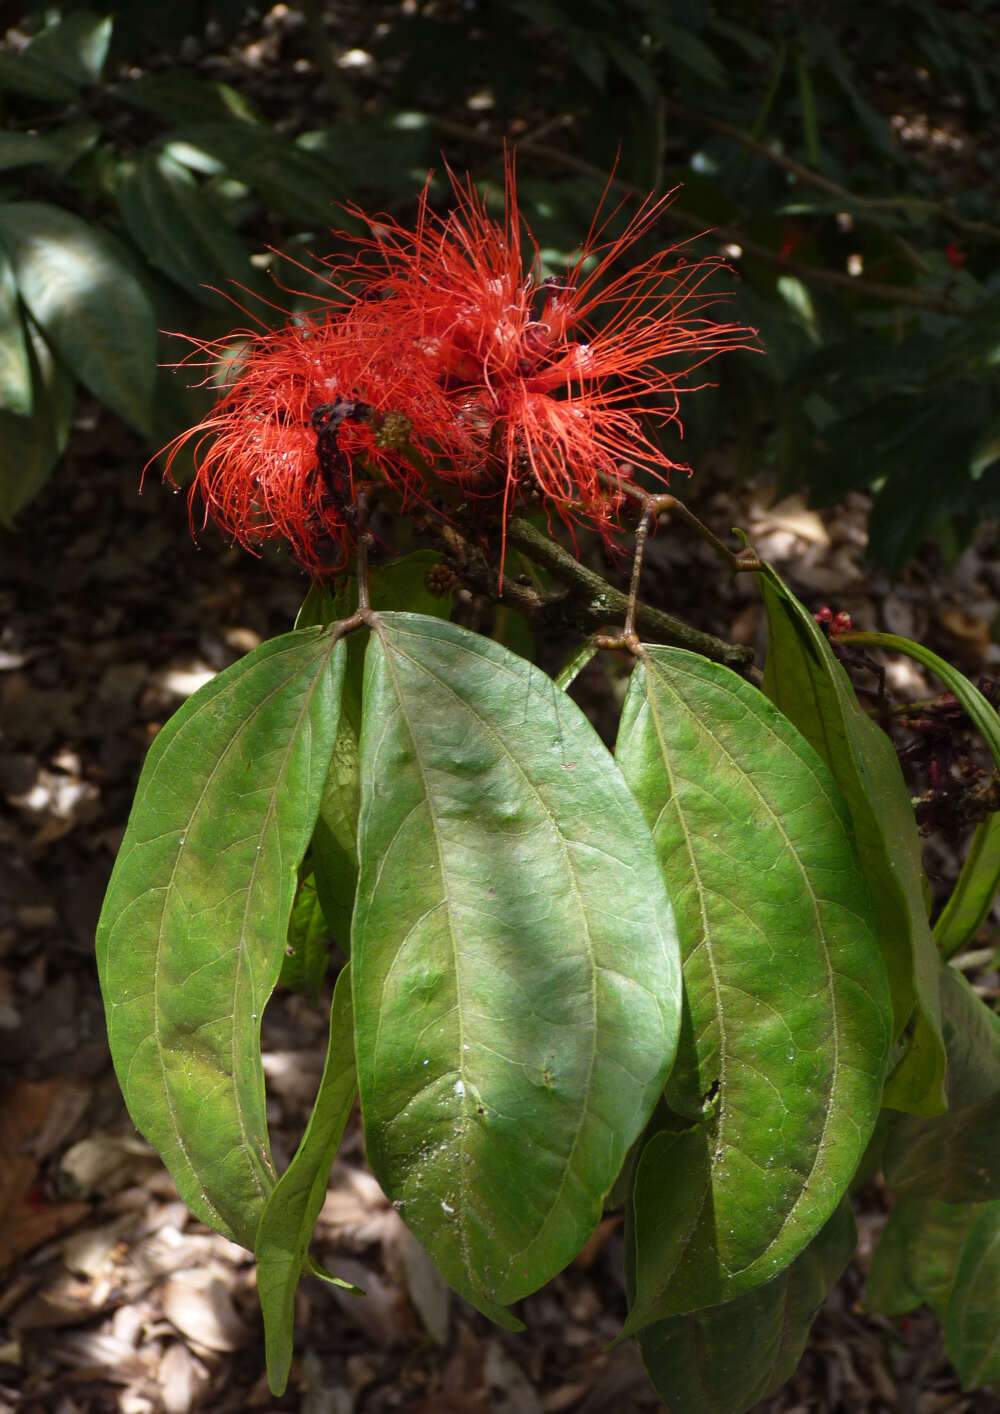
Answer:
(832, 623)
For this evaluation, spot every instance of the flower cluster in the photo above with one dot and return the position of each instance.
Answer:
(447, 360)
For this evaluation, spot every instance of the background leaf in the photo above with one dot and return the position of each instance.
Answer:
(182, 234)
(16, 382)
(31, 446)
(786, 1014)
(307, 954)
(724, 1360)
(193, 928)
(971, 1333)
(516, 976)
(955, 1156)
(88, 304)
(917, 1255)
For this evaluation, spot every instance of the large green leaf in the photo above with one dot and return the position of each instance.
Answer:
(90, 307)
(293, 1206)
(972, 1332)
(516, 972)
(172, 95)
(75, 47)
(803, 678)
(31, 446)
(724, 1360)
(192, 934)
(787, 1017)
(955, 1156)
(60, 59)
(182, 233)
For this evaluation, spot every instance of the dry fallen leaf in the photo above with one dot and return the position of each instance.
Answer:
(199, 1305)
(26, 1216)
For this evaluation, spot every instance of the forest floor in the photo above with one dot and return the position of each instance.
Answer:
(112, 1298)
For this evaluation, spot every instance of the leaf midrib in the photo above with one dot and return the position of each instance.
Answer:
(422, 666)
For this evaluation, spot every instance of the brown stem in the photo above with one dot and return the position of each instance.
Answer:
(593, 602)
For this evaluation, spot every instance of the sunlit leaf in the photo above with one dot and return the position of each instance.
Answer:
(786, 1015)
(804, 679)
(193, 929)
(90, 307)
(516, 975)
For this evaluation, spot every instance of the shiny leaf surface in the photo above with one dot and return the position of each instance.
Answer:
(803, 678)
(787, 1014)
(192, 933)
(516, 972)
(88, 304)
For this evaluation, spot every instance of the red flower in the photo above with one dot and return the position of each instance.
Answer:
(954, 255)
(512, 385)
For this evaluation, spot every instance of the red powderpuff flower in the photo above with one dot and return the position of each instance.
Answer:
(508, 383)
(558, 380)
(261, 473)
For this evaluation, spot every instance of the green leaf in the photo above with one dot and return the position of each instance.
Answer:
(516, 973)
(181, 232)
(294, 1205)
(986, 451)
(26, 150)
(193, 928)
(726, 1359)
(810, 120)
(57, 62)
(307, 953)
(173, 95)
(90, 307)
(34, 78)
(16, 383)
(972, 1334)
(955, 1156)
(803, 678)
(75, 47)
(982, 715)
(787, 1016)
(301, 185)
(917, 1255)
(401, 584)
(31, 446)
(972, 898)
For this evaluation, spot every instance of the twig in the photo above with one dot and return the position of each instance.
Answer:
(725, 235)
(816, 179)
(594, 602)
